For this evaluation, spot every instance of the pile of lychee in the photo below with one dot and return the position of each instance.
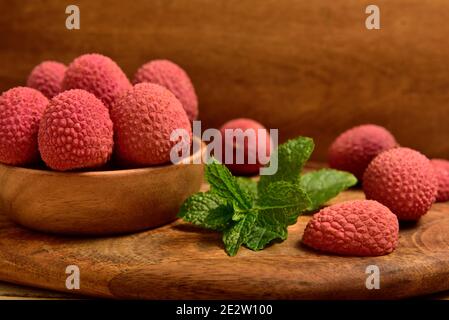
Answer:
(81, 116)
(399, 184)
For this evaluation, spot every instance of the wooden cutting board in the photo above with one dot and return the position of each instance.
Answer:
(180, 261)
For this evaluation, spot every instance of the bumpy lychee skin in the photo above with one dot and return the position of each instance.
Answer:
(75, 132)
(47, 77)
(354, 228)
(97, 74)
(144, 118)
(175, 79)
(256, 150)
(21, 110)
(441, 168)
(354, 149)
(402, 179)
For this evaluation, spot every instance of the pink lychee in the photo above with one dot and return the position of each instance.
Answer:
(171, 76)
(354, 149)
(238, 128)
(402, 179)
(75, 132)
(97, 74)
(144, 119)
(47, 77)
(21, 110)
(355, 228)
(441, 168)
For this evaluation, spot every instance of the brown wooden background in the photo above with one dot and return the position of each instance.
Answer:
(306, 67)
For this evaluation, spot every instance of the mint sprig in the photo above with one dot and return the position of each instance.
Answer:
(255, 214)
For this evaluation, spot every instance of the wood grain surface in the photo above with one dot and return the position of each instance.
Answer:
(179, 261)
(10, 291)
(305, 67)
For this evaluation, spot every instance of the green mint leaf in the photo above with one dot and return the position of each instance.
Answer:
(292, 155)
(325, 184)
(278, 207)
(287, 200)
(249, 186)
(207, 210)
(236, 235)
(263, 232)
(224, 184)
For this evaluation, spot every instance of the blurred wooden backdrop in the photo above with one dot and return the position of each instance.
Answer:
(305, 67)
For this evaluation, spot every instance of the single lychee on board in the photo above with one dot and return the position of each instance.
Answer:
(75, 132)
(354, 149)
(144, 119)
(97, 74)
(21, 110)
(47, 77)
(250, 151)
(403, 180)
(171, 76)
(441, 168)
(354, 228)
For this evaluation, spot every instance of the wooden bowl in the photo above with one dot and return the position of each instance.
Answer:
(97, 202)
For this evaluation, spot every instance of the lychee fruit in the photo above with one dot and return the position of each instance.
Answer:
(354, 228)
(75, 132)
(241, 145)
(97, 74)
(174, 78)
(402, 179)
(47, 78)
(144, 119)
(354, 149)
(441, 168)
(21, 110)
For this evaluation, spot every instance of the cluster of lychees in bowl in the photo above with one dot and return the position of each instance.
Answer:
(400, 184)
(60, 135)
(78, 117)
